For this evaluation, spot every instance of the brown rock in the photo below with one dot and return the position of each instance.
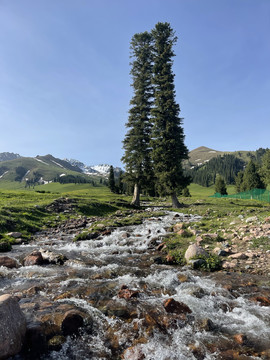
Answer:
(173, 306)
(178, 227)
(262, 300)
(238, 256)
(126, 293)
(240, 339)
(8, 262)
(161, 246)
(35, 258)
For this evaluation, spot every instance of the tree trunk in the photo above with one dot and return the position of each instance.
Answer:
(175, 202)
(136, 196)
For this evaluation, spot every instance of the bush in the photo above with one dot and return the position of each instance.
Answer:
(5, 246)
(211, 263)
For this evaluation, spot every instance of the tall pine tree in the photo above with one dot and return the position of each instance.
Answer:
(168, 137)
(137, 158)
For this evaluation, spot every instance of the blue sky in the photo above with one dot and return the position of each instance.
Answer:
(65, 83)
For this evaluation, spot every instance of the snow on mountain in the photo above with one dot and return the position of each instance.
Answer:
(102, 169)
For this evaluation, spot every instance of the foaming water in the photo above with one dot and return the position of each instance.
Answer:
(96, 270)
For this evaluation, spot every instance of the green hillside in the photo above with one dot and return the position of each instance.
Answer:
(16, 173)
(203, 154)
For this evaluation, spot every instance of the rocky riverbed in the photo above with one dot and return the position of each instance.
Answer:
(110, 296)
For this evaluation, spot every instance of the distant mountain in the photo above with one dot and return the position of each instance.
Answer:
(40, 169)
(203, 154)
(205, 164)
(5, 156)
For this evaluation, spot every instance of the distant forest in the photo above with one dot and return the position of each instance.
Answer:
(226, 166)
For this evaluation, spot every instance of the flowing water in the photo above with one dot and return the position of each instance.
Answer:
(96, 270)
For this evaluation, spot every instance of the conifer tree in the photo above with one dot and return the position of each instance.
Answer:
(251, 178)
(167, 137)
(111, 179)
(220, 186)
(137, 158)
(265, 169)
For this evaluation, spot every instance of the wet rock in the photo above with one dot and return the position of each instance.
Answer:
(134, 353)
(173, 306)
(35, 258)
(262, 300)
(53, 258)
(71, 322)
(118, 309)
(161, 246)
(35, 342)
(13, 326)
(158, 260)
(240, 339)
(197, 351)
(55, 343)
(126, 293)
(193, 251)
(206, 325)
(8, 262)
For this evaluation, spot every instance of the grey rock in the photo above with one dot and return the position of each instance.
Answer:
(12, 326)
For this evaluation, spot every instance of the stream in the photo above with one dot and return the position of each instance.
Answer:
(223, 321)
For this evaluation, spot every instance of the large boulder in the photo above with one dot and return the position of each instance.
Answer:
(194, 251)
(12, 326)
(35, 258)
(8, 262)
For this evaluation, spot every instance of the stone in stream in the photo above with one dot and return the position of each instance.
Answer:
(35, 258)
(173, 306)
(126, 293)
(12, 326)
(52, 258)
(8, 262)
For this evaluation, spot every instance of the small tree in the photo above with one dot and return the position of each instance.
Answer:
(265, 169)
(111, 179)
(220, 186)
(239, 181)
(251, 178)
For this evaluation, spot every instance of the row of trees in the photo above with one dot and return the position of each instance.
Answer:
(256, 175)
(154, 144)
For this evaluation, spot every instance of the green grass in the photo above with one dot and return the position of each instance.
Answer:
(25, 210)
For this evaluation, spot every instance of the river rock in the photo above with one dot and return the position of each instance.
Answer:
(173, 306)
(35, 258)
(12, 326)
(52, 258)
(195, 250)
(126, 293)
(8, 262)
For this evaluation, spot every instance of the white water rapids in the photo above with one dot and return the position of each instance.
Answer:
(124, 258)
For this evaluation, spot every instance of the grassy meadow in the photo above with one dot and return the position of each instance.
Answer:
(26, 210)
